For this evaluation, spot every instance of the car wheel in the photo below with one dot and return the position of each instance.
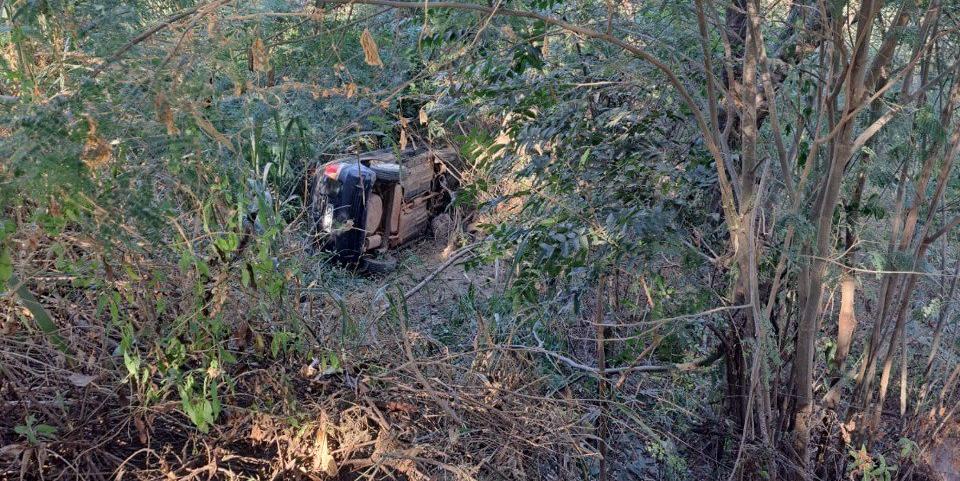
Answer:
(387, 172)
(380, 265)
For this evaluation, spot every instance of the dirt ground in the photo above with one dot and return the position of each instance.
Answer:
(945, 459)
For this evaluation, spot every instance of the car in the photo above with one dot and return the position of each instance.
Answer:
(365, 205)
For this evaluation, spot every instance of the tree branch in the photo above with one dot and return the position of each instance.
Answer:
(936, 235)
(695, 364)
(151, 31)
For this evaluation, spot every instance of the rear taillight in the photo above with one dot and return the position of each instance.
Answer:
(332, 170)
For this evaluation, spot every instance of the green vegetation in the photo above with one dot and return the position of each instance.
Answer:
(688, 240)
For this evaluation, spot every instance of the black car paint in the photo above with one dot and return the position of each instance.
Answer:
(347, 195)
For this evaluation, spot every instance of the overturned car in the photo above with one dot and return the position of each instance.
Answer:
(367, 204)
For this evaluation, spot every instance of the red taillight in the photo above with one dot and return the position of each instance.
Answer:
(332, 170)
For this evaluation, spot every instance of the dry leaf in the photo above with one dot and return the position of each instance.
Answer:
(55, 211)
(545, 48)
(370, 53)
(213, 28)
(26, 463)
(96, 151)
(316, 13)
(42, 454)
(165, 114)
(423, 116)
(12, 451)
(322, 457)
(350, 89)
(258, 53)
(240, 336)
(142, 432)
(308, 371)
(212, 131)
(80, 380)
(257, 433)
(398, 406)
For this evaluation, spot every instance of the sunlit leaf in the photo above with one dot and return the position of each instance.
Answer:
(371, 55)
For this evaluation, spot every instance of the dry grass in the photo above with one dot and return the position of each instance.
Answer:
(404, 407)
(441, 416)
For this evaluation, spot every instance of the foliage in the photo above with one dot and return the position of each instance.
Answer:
(35, 433)
(645, 268)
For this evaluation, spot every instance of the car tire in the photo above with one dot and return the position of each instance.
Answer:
(380, 265)
(387, 172)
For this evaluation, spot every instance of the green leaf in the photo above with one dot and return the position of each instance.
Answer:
(186, 260)
(228, 243)
(132, 362)
(6, 267)
(275, 346)
(245, 277)
(584, 158)
(40, 315)
(46, 430)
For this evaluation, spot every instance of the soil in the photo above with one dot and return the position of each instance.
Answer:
(945, 459)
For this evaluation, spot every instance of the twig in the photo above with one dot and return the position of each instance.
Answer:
(449, 262)
(698, 363)
(150, 32)
(418, 374)
(602, 385)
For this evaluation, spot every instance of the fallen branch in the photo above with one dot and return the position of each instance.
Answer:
(693, 365)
